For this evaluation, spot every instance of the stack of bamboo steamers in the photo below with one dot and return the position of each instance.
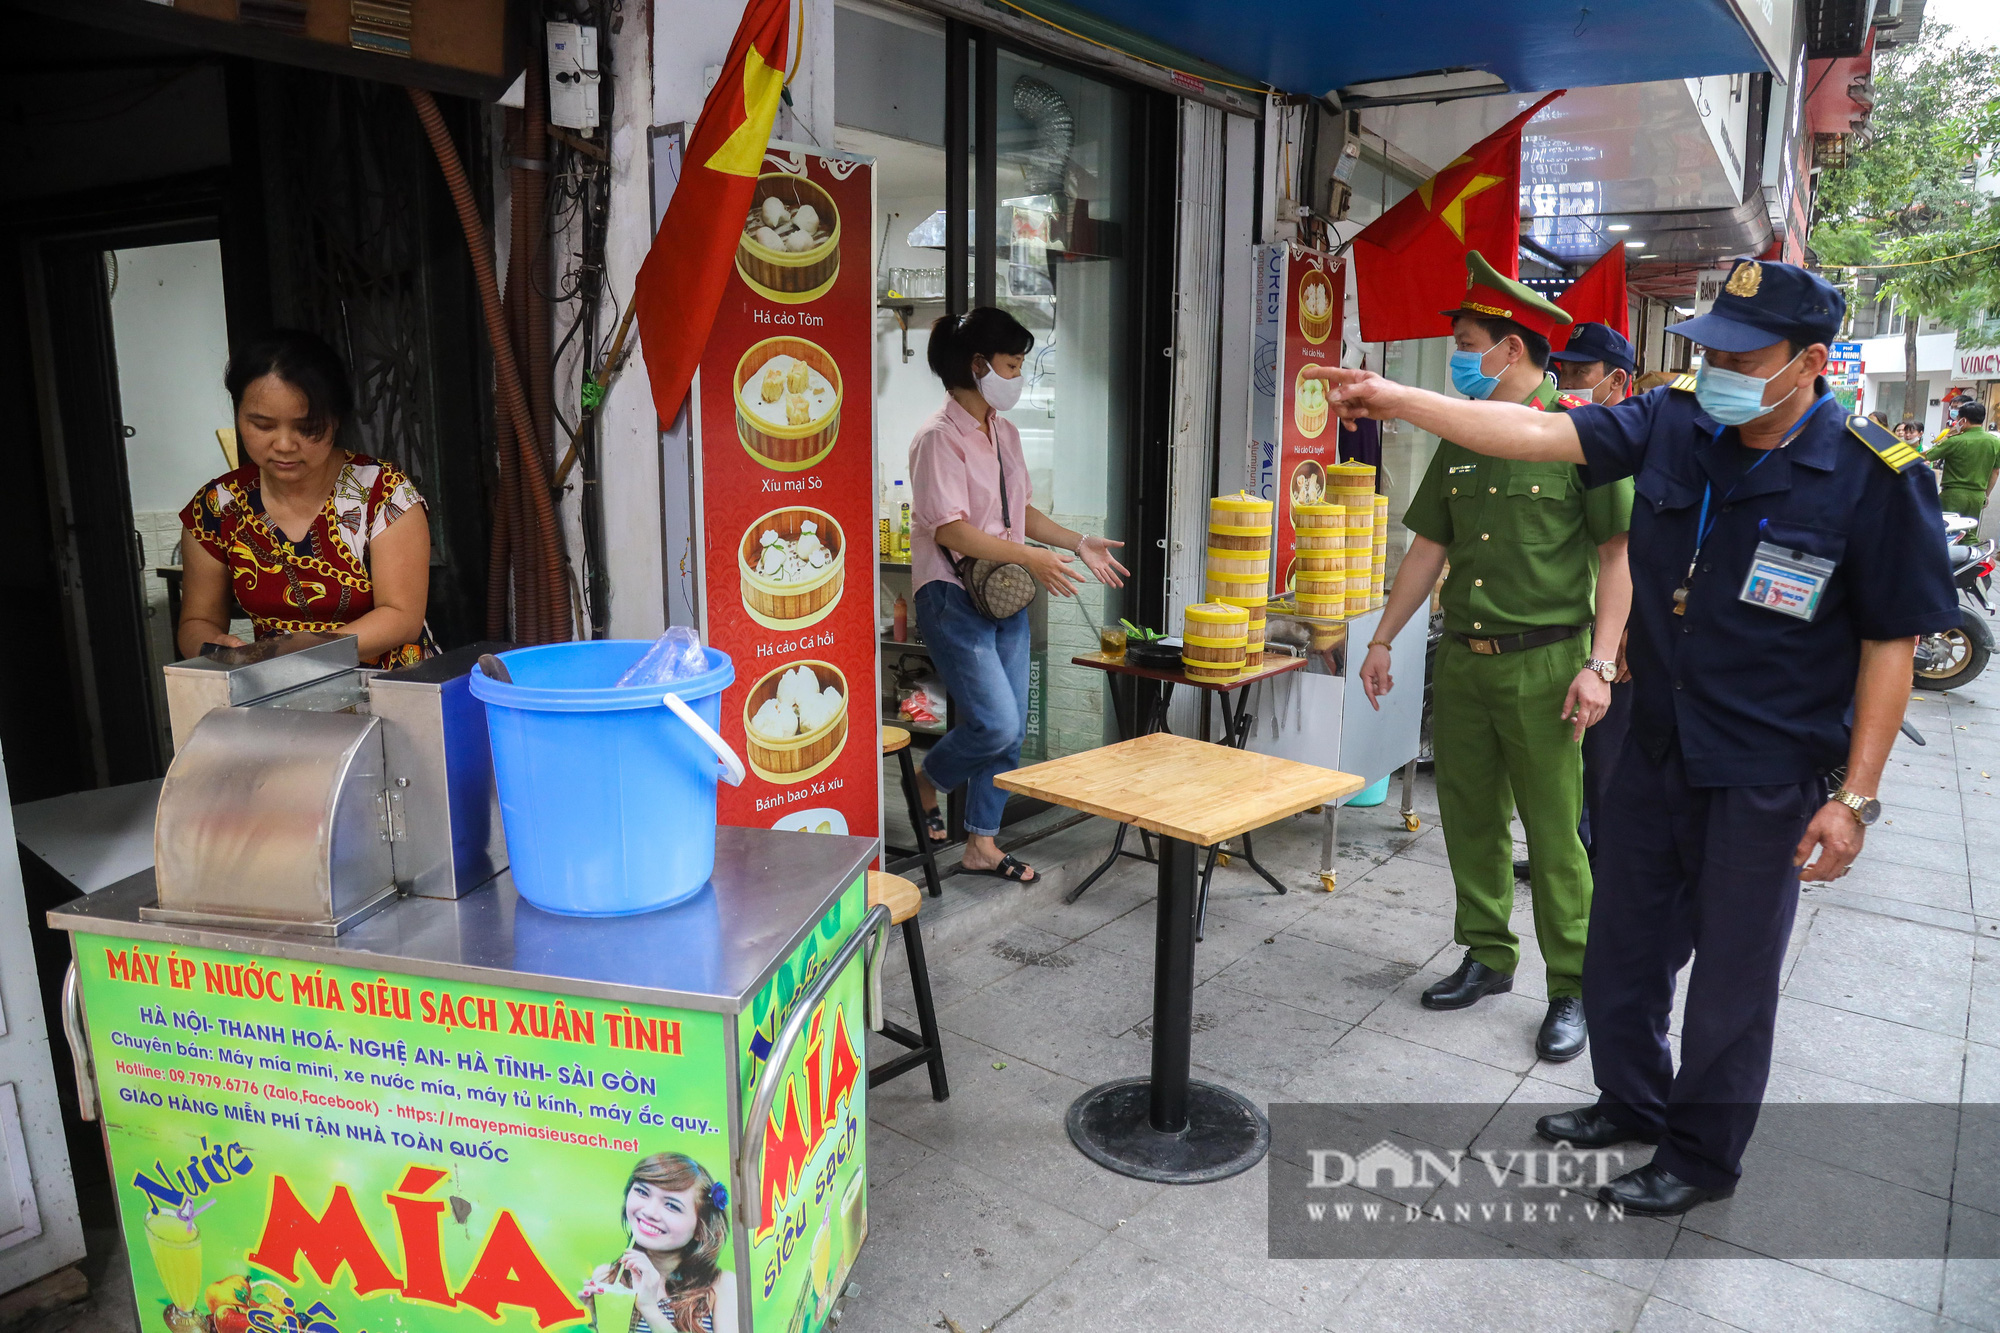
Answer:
(1341, 545)
(1225, 635)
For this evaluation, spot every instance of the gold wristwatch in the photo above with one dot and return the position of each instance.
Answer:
(1866, 808)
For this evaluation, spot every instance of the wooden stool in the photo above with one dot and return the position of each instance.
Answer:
(896, 741)
(926, 1047)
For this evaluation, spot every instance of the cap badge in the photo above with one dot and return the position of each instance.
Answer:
(1749, 275)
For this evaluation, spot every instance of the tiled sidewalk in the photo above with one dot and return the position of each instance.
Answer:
(984, 1216)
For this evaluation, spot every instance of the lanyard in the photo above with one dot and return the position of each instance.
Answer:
(1704, 525)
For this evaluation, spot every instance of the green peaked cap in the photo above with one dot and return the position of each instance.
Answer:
(1492, 295)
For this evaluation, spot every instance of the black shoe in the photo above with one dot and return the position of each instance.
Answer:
(1588, 1127)
(1521, 871)
(1564, 1033)
(1466, 987)
(1654, 1191)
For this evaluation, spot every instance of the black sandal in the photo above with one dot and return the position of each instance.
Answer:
(934, 827)
(1009, 869)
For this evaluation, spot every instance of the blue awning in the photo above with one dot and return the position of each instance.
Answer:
(1317, 47)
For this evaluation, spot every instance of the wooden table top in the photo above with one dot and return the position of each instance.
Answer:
(1193, 790)
(1274, 664)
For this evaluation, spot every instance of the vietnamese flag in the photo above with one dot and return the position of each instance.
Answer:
(1410, 262)
(1598, 297)
(680, 285)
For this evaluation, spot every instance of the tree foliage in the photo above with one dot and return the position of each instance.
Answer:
(1907, 194)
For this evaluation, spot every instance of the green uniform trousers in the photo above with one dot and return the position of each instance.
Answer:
(1956, 500)
(1500, 739)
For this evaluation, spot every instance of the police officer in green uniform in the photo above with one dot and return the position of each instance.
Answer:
(1534, 608)
(1967, 461)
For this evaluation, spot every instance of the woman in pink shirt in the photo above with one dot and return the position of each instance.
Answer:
(956, 464)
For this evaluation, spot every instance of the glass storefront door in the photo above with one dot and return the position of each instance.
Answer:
(1049, 151)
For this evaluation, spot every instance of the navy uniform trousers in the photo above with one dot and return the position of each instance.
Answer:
(1701, 871)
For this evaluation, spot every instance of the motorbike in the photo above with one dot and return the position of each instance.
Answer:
(1953, 659)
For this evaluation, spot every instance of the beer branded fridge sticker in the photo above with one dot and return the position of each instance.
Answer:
(812, 1210)
(320, 1149)
(788, 500)
(1315, 286)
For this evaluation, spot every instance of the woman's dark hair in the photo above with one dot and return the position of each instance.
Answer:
(985, 331)
(302, 360)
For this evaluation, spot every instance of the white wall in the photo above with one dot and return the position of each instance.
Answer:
(172, 341)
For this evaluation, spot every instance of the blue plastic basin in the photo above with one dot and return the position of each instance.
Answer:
(608, 798)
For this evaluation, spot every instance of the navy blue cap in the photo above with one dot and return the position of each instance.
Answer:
(1598, 342)
(1763, 303)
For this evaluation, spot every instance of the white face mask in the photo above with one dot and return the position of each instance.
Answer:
(1600, 385)
(1000, 392)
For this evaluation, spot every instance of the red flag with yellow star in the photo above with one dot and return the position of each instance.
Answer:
(1598, 297)
(680, 284)
(1410, 263)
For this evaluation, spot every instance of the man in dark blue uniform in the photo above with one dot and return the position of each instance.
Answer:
(1784, 559)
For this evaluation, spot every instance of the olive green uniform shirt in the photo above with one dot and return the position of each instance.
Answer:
(1966, 461)
(1522, 538)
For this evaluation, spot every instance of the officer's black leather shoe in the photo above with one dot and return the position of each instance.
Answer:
(1467, 986)
(1521, 871)
(1654, 1191)
(1588, 1127)
(1564, 1033)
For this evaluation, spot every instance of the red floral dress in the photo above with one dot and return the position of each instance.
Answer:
(320, 582)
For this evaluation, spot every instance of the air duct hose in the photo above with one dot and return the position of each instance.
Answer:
(542, 612)
(1046, 165)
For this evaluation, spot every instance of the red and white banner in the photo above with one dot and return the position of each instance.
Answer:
(787, 502)
(1308, 434)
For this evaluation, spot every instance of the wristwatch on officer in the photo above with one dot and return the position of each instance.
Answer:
(1866, 808)
(1607, 670)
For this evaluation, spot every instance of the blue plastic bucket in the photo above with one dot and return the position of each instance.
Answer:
(1373, 794)
(607, 794)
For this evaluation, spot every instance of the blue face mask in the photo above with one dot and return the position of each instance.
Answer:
(1732, 398)
(1468, 374)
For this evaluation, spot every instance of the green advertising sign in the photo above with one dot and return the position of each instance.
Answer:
(319, 1149)
(813, 1215)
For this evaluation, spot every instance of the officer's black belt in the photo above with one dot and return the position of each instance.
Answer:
(1514, 643)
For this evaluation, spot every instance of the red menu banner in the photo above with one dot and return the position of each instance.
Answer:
(1315, 290)
(787, 501)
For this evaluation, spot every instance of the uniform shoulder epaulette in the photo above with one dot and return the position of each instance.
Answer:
(1895, 453)
(1683, 384)
(1570, 400)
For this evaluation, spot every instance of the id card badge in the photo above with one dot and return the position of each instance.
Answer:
(1786, 581)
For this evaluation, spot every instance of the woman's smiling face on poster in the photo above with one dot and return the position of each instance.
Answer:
(660, 1219)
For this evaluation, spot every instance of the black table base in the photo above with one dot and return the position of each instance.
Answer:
(1168, 1127)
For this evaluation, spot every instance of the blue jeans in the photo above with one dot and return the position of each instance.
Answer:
(985, 668)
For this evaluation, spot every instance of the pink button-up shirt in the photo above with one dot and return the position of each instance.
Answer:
(954, 475)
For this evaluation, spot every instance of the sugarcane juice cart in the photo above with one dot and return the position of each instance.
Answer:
(348, 1078)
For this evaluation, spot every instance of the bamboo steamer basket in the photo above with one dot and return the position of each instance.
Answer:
(1238, 565)
(1310, 561)
(1350, 477)
(796, 758)
(787, 448)
(1214, 640)
(787, 606)
(1319, 516)
(1239, 588)
(782, 275)
(1239, 523)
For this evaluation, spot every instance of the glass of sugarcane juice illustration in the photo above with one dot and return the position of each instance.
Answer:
(175, 1242)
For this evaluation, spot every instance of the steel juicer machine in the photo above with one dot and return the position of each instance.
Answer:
(308, 792)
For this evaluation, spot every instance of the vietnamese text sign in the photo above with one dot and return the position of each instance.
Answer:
(1309, 435)
(788, 500)
(321, 1149)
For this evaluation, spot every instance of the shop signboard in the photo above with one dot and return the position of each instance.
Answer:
(1847, 351)
(813, 1213)
(1979, 363)
(786, 500)
(313, 1148)
(1315, 289)
(1267, 325)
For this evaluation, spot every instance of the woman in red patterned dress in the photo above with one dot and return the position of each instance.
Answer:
(306, 535)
